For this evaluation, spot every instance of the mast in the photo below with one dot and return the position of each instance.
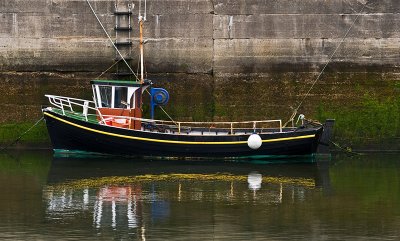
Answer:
(141, 22)
(141, 49)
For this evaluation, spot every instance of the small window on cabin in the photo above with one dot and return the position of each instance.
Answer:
(120, 97)
(105, 95)
(131, 96)
(132, 101)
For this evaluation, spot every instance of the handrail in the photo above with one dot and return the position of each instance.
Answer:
(186, 124)
(61, 102)
(70, 98)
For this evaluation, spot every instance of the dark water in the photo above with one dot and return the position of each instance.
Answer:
(345, 198)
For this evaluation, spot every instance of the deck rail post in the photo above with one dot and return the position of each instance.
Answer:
(85, 109)
(62, 106)
(69, 104)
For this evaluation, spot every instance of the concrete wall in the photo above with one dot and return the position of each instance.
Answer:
(219, 59)
(204, 36)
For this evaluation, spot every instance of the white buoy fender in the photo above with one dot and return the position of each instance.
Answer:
(254, 141)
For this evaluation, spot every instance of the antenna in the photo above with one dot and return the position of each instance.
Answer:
(145, 9)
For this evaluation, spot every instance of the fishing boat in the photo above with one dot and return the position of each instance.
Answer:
(113, 123)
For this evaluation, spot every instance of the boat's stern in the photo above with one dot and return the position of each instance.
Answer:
(325, 138)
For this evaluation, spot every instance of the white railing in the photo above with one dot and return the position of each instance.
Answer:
(231, 127)
(68, 103)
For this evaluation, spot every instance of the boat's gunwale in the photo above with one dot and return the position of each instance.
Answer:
(45, 112)
(220, 131)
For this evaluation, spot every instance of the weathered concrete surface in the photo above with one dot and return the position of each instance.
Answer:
(63, 35)
(22, 93)
(262, 36)
(202, 36)
(220, 59)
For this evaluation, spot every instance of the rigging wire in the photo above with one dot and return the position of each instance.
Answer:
(112, 42)
(105, 71)
(165, 112)
(329, 60)
(122, 57)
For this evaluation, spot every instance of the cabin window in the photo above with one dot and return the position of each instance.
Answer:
(105, 96)
(120, 97)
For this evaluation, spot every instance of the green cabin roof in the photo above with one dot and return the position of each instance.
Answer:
(119, 83)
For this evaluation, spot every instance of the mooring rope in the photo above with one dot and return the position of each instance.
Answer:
(329, 60)
(19, 138)
(347, 150)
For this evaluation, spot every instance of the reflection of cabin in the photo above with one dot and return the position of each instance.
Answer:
(118, 98)
(118, 202)
(115, 206)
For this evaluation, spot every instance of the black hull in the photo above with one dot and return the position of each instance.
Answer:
(75, 135)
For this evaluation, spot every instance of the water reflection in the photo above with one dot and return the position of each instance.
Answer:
(254, 179)
(128, 196)
(110, 206)
(347, 198)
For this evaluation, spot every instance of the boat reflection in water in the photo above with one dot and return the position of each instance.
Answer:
(135, 196)
(125, 197)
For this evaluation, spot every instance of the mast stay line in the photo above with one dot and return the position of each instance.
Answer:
(141, 19)
(329, 60)
(112, 42)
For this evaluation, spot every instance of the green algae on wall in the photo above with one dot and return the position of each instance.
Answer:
(12, 131)
(370, 120)
(366, 106)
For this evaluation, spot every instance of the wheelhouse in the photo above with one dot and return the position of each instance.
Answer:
(119, 98)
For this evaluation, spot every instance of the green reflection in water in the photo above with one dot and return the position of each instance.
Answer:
(44, 198)
(35, 164)
(368, 181)
(22, 176)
